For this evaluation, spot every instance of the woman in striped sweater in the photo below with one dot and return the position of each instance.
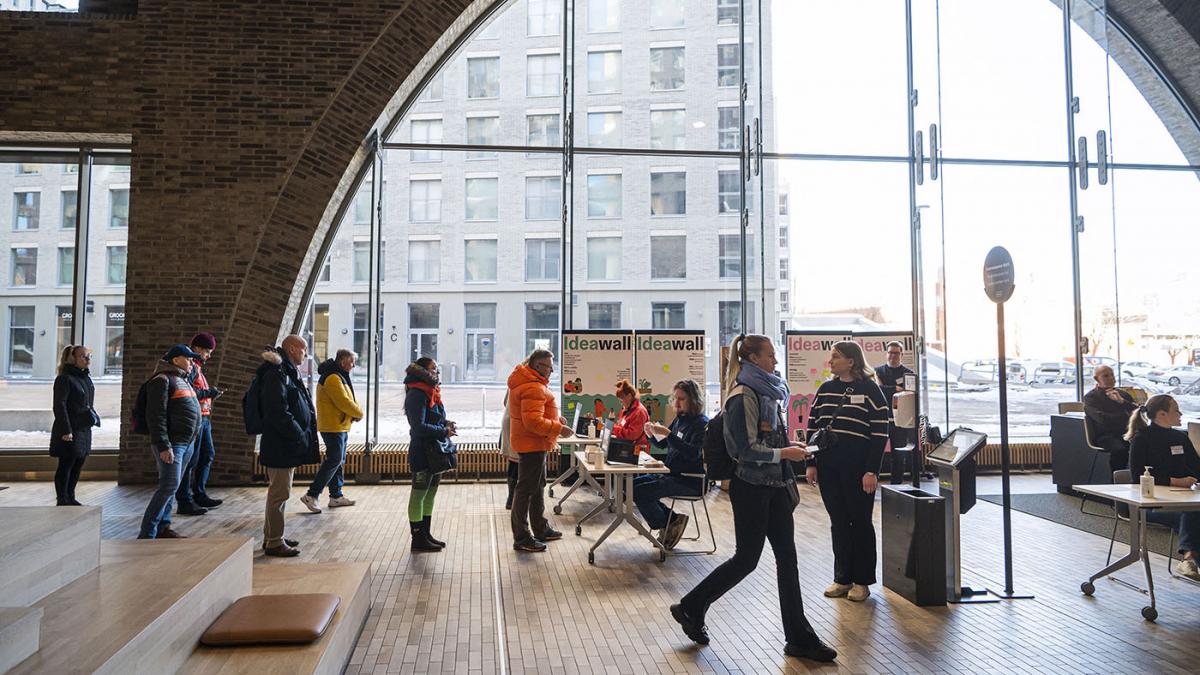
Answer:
(853, 409)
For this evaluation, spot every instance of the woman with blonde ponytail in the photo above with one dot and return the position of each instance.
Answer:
(74, 417)
(762, 492)
(1155, 444)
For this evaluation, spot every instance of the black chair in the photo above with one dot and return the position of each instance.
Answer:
(1098, 452)
(704, 489)
(1121, 514)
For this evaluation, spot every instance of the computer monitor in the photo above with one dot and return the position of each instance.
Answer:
(961, 444)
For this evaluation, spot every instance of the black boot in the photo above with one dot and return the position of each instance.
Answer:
(425, 528)
(421, 543)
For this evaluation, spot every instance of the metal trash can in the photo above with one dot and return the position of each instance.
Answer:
(914, 544)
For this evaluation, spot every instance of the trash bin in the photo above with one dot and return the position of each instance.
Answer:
(914, 544)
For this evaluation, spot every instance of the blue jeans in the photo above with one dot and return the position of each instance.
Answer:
(330, 473)
(1186, 522)
(158, 511)
(204, 458)
(649, 489)
(183, 495)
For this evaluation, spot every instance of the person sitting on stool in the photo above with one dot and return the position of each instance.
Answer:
(684, 441)
(1108, 409)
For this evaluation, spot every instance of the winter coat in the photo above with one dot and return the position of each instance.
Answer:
(204, 393)
(172, 411)
(336, 407)
(632, 426)
(74, 413)
(534, 419)
(426, 423)
(289, 437)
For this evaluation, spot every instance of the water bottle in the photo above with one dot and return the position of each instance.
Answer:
(1147, 483)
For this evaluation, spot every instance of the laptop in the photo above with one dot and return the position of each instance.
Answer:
(617, 450)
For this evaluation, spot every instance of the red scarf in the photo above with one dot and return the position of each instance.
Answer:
(434, 393)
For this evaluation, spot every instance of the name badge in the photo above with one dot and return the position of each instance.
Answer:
(858, 399)
(1176, 449)
(679, 434)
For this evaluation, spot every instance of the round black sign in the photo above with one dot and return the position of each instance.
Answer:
(998, 276)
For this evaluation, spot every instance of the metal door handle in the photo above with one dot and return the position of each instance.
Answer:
(1083, 163)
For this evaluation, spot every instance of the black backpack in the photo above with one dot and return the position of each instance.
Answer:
(137, 421)
(718, 463)
(252, 408)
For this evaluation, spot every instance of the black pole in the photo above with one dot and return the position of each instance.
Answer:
(1004, 456)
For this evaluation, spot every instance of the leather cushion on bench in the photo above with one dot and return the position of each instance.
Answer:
(272, 619)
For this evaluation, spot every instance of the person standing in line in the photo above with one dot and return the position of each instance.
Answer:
(173, 420)
(428, 429)
(890, 377)
(194, 481)
(631, 424)
(337, 410)
(289, 437)
(683, 441)
(74, 417)
(1108, 410)
(535, 426)
(512, 459)
(854, 413)
(762, 493)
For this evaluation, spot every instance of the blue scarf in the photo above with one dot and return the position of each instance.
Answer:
(771, 389)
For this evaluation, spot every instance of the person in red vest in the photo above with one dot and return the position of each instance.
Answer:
(631, 425)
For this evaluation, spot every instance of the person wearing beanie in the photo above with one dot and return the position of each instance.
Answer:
(192, 496)
(428, 429)
(173, 421)
(337, 410)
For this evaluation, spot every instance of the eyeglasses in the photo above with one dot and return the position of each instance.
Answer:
(86, 357)
(895, 353)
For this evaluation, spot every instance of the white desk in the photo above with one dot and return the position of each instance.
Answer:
(618, 481)
(574, 443)
(1165, 499)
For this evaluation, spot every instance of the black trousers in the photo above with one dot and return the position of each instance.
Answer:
(850, 523)
(66, 477)
(1118, 452)
(529, 506)
(760, 514)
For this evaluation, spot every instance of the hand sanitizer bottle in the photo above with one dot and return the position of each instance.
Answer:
(1147, 483)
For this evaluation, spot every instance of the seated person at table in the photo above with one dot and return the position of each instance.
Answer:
(1108, 410)
(631, 424)
(1154, 442)
(683, 440)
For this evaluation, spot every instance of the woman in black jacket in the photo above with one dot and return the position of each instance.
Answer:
(74, 417)
(853, 411)
(428, 429)
(683, 441)
(1155, 444)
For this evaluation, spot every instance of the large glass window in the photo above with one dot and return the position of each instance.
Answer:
(729, 127)
(604, 258)
(604, 71)
(480, 260)
(668, 129)
(20, 339)
(362, 261)
(481, 203)
(668, 256)
(542, 259)
(668, 193)
(118, 208)
(604, 129)
(27, 208)
(541, 326)
(425, 200)
(729, 196)
(483, 77)
(483, 130)
(544, 17)
(360, 325)
(604, 315)
(63, 323)
(667, 13)
(543, 197)
(666, 68)
(423, 321)
(66, 265)
(604, 195)
(69, 208)
(667, 315)
(424, 261)
(115, 267)
(727, 65)
(543, 75)
(23, 266)
(114, 339)
(426, 131)
(542, 130)
(604, 15)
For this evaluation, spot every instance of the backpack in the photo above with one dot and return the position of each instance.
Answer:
(137, 421)
(718, 463)
(252, 408)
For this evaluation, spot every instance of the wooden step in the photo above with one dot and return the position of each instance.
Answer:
(330, 654)
(19, 628)
(143, 609)
(45, 548)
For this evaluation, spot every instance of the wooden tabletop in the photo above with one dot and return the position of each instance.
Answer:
(578, 440)
(606, 467)
(1177, 499)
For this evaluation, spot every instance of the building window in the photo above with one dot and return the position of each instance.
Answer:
(604, 72)
(602, 315)
(27, 207)
(480, 325)
(542, 131)
(326, 269)
(543, 18)
(541, 259)
(604, 195)
(667, 315)
(424, 261)
(425, 131)
(729, 127)
(66, 265)
(70, 169)
(480, 260)
(361, 321)
(362, 207)
(604, 129)
(114, 339)
(63, 323)
(783, 268)
(604, 16)
(20, 340)
(543, 75)
(783, 204)
(70, 209)
(727, 65)
(543, 197)
(541, 326)
(24, 266)
(729, 321)
(115, 269)
(29, 169)
(604, 258)
(729, 191)
(668, 257)
(483, 77)
(668, 193)
(666, 13)
(666, 68)
(362, 261)
(424, 201)
(481, 198)
(729, 256)
(668, 129)
(783, 301)
(783, 236)
(118, 208)
(483, 131)
(433, 90)
(423, 329)
(727, 12)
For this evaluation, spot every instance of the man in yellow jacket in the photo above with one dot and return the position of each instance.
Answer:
(336, 411)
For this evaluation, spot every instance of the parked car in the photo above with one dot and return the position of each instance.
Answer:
(1137, 368)
(1175, 375)
(1054, 372)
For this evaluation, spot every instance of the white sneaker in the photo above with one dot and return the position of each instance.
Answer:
(335, 502)
(858, 593)
(1188, 569)
(837, 590)
(311, 503)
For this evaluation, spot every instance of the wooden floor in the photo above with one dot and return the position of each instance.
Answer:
(479, 607)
